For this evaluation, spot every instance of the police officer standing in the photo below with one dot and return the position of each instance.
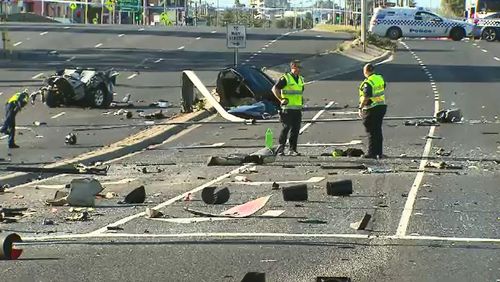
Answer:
(288, 90)
(12, 107)
(372, 109)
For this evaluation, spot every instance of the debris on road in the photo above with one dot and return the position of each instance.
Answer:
(312, 221)
(361, 225)
(114, 228)
(9, 215)
(295, 193)
(70, 169)
(83, 216)
(154, 115)
(7, 251)
(136, 196)
(82, 191)
(240, 178)
(275, 186)
(39, 123)
(48, 222)
(213, 196)
(433, 137)
(442, 152)
(442, 165)
(161, 104)
(349, 152)
(249, 170)
(361, 166)
(449, 116)
(110, 195)
(339, 187)
(423, 122)
(244, 210)
(153, 213)
(70, 139)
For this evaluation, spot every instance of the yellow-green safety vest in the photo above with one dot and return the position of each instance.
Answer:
(293, 92)
(15, 98)
(378, 88)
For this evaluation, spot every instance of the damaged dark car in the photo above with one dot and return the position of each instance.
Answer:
(79, 87)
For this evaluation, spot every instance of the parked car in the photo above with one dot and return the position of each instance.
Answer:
(79, 87)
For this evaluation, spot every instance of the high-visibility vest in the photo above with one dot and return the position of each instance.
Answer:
(293, 92)
(15, 98)
(377, 83)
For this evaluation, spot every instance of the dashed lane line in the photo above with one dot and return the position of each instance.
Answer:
(37, 76)
(496, 58)
(43, 33)
(132, 76)
(318, 114)
(17, 43)
(58, 115)
(121, 35)
(98, 45)
(180, 48)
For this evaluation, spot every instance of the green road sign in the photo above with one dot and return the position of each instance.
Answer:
(129, 5)
(72, 6)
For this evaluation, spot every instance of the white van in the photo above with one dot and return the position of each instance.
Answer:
(416, 22)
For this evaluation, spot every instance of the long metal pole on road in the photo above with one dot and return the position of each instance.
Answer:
(363, 23)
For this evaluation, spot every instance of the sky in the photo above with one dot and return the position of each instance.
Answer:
(420, 3)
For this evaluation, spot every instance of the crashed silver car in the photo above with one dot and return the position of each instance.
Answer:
(79, 87)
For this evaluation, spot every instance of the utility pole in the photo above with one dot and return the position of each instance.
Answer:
(364, 12)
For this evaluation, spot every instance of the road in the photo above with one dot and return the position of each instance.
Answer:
(432, 225)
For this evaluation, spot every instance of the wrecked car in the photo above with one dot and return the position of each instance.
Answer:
(78, 87)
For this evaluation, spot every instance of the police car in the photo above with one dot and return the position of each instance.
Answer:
(416, 22)
(488, 27)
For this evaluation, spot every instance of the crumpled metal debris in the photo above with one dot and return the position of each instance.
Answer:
(442, 165)
(153, 116)
(349, 152)
(83, 216)
(421, 122)
(449, 115)
(442, 152)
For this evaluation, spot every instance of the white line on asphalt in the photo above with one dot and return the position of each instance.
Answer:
(273, 41)
(267, 45)
(496, 58)
(180, 48)
(316, 117)
(213, 31)
(263, 48)
(315, 179)
(198, 38)
(412, 195)
(27, 240)
(484, 50)
(132, 76)
(43, 33)
(66, 27)
(259, 51)
(254, 54)
(247, 60)
(58, 115)
(37, 76)
(18, 43)
(121, 34)
(58, 186)
(141, 29)
(70, 59)
(159, 60)
(173, 200)
(243, 63)
(98, 45)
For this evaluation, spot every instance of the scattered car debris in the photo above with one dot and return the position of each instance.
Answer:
(213, 196)
(114, 228)
(110, 195)
(349, 152)
(82, 192)
(244, 210)
(254, 277)
(489, 133)
(240, 178)
(295, 193)
(449, 116)
(9, 215)
(333, 279)
(39, 123)
(7, 251)
(154, 115)
(424, 122)
(153, 213)
(69, 169)
(48, 222)
(442, 152)
(161, 104)
(442, 165)
(361, 225)
(339, 187)
(275, 186)
(83, 216)
(312, 221)
(433, 137)
(136, 196)
(372, 170)
(361, 166)
(70, 139)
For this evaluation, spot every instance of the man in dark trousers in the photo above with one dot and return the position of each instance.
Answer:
(372, 109)
(288, 90)
(12, 107)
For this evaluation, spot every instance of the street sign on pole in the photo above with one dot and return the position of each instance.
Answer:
(236, 36)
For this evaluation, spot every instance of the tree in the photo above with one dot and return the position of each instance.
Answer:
(455, 7)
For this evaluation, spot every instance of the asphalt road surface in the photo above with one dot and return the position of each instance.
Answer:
(426, 225)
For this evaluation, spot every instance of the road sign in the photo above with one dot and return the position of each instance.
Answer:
(129, 5)
(72, 6)
(236, 36)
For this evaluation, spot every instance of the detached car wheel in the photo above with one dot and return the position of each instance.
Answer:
(489, 34)
(51, 99)
(100, 98)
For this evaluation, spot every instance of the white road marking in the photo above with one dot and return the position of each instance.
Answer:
(37, 76)
(70, 59)
(141, 29)
(180, 48)
(58, 115)
(132, 76)
(213, 31)
(172, 200)
(247, 60)
(98, 45)
(1, 93)
(263, 48)
(214, 145)
(259, 51)
(273, 213)
(412, 195)
(254, 54)
(315, 179)
(121, 35)
(316, 117)
(496, 58)
(159, 60)
(484, 50)
(43, 33)
(198, 38)
(18, 43)
(58, 186)
(267, 45)
(194, 219)
(26, 240)
(66, 27)
(273, 41)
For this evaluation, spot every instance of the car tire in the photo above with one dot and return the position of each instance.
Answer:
(394, 33)
(100, 98)
(457, 33)
(51, 99)
(489, 34)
